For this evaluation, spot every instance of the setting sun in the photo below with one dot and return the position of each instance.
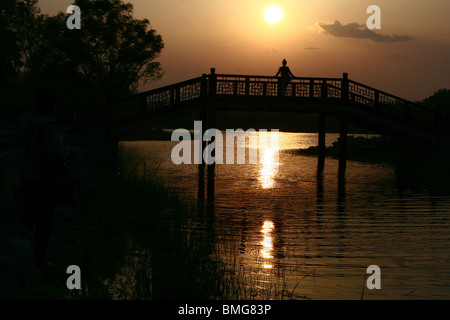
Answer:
(273, 14)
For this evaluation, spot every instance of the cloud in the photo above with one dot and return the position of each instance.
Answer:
(269, 48)
(230, 44)
(358, 31)
(308, 49)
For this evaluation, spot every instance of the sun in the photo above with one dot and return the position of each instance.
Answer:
(273, 14)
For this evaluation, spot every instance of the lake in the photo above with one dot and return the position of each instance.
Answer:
(311, 235)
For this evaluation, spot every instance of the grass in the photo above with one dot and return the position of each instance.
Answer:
(139, 240)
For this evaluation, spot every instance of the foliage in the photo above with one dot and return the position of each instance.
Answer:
(440, 98)
(105, 59)
(113, 51)
(17, 31)
(18, 39)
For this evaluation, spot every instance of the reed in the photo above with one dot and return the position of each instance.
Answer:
(140, 240)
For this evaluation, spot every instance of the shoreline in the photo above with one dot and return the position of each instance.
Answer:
(130, 236)
(369, 150)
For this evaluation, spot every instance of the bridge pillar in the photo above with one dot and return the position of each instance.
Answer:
(342, 146)
(201, 184)
(345, 86)
(208, 118)
(201, 165)
(212, 82)
(321, 151)
(211, 168)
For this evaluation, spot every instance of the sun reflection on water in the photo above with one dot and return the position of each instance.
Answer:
(269, 160)
(267, 243)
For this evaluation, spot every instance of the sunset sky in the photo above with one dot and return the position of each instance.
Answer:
(409, 56)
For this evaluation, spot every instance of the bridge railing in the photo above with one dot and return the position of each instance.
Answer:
(324, 89)
(265, 86)
(144, 102)
(384, 102)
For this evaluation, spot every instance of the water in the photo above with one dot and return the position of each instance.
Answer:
(315, 235)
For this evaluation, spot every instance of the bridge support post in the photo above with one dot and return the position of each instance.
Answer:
(345, 86)
(342, 147)
(321, 151)
(201, 183)
(201, 165)
(208, 118)
(212, 82)
(211, 168)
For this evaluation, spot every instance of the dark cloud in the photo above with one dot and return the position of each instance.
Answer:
(308, 49)
(359, 31)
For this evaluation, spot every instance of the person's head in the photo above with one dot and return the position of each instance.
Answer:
(46, 99)
(284, 62)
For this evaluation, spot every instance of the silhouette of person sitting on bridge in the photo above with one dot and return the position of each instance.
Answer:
(284, 79)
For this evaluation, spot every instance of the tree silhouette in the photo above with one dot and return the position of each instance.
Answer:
(17, 31)
(112, 50)
(107, 58)
(439, 98)
(19, 36)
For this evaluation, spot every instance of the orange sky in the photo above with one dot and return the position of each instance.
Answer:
(409, 56)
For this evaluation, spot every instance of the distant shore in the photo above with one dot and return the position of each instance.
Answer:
(165, 134)
(372, 150)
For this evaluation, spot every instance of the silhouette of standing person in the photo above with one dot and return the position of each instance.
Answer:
(41, 163)
(284, 79)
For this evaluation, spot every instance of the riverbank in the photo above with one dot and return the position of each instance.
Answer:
(130, 240)
(415, 167)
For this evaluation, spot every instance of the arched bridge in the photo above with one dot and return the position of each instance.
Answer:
(343, 98)
(347, 100)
